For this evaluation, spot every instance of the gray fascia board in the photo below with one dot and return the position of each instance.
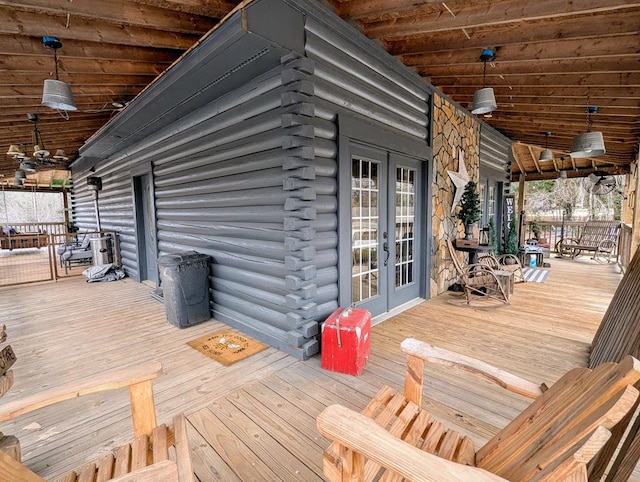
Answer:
(185, 87)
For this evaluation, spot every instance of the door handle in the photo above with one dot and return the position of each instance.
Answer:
(385, 247)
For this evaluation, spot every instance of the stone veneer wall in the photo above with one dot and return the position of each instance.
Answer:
(453, 130)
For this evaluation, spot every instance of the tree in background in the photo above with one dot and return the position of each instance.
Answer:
(550, 199)
(30, 207)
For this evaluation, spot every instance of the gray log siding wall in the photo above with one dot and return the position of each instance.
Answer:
(251, 179)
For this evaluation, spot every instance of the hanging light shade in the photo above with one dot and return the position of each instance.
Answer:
(590, 143)
(20, 174)
(15, 151)
(40, 152)
(18, 182)
(546, 154)
(484, 100)
(59, 155)
(56, 94)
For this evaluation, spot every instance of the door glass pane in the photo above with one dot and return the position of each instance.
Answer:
(491, 205)
(405, 221)
(364, 226)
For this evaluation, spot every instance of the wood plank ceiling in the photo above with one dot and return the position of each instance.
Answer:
(553, 58)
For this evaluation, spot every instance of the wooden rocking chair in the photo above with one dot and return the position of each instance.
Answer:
(505, 262)
(147, 458)
(569, 433)
(478, 280)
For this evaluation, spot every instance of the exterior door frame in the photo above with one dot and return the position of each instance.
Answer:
(145, 169)
(363, 132)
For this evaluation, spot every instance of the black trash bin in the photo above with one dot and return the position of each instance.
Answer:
(185, 286)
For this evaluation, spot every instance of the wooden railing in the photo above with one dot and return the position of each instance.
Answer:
(49, 228)
(554, 231)
(29, 258)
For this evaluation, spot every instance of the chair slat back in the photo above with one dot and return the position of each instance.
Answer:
(546, 434)
(456, 261)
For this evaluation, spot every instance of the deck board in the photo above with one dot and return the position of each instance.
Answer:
(256, 419)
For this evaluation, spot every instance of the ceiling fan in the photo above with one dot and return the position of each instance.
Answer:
(599, 183)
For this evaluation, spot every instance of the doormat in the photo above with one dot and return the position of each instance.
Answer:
(226, 346)
(535, 275)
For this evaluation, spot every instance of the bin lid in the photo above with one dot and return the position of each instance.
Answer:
(182, 257)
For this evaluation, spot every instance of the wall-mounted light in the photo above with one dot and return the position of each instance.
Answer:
(484, 100)
(590, 143)
(56, 93)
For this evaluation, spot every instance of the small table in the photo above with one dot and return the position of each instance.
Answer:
(506, 279)
(473, 252)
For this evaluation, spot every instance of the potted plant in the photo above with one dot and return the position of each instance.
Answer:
(469, 212)
(511, 244)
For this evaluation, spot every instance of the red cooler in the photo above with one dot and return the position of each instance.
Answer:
(346, 338)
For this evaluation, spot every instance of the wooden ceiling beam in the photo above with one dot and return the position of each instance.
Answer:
(43, 66)
(119, 12)
(18, 78)
(576, 92)
(631, 104)
(619, 79)
(614, 45)
(536, 31)
(532, 123)
(53, 130)
(84, 103)
(573, 173)
(212, 8)
(627, 63)
(14, 22)
(612, 114)
(499, 13)
(32, 47)
(78, 90)
(376, 8)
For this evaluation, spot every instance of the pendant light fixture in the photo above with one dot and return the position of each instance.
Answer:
(40, 156)
(546, 154)
(563, 173)
(56, 94)
(590, 143)
(484, 100)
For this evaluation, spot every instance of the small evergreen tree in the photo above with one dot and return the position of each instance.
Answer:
(470, 205)
(511, 245)
(492, 236)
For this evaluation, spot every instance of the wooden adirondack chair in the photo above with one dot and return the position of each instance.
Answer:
(568, 433)
(147, 458)
(478, 280)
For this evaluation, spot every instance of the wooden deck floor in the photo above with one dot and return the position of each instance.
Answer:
(255, 420)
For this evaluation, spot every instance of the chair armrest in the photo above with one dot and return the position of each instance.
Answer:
(137, 378)
(434, 354)
(363, 436)
(12, 470)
